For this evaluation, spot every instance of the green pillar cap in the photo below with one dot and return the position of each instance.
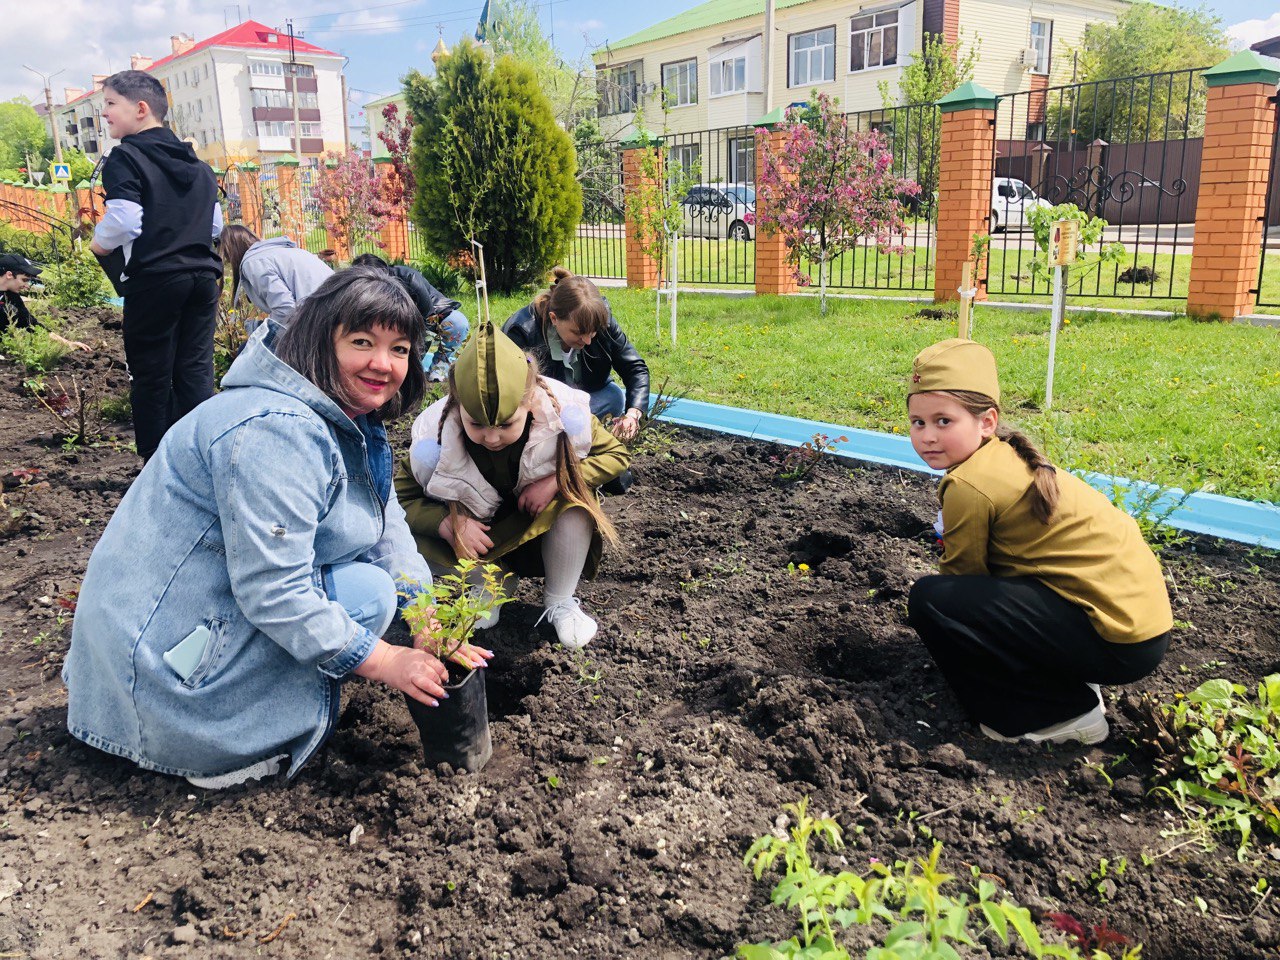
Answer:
(249, 167)
(1247, 66)
(59, 188)
(84, 185)
(288, 160)
(330, 164)
(772, 118)
(641, 138)
(384, 160)
(968, 96)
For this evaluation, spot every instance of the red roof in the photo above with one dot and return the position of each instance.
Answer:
(250, 35)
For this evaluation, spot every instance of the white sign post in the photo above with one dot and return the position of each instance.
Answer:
(1064, 238)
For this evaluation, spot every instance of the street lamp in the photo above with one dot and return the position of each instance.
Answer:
(48, 103)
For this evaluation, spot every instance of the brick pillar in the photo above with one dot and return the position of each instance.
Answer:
(1234, 169)
(965, 169)
(395, 231)
(287, 182)
(250, 196)
(88, 212)
(773, 273)
(642, 270)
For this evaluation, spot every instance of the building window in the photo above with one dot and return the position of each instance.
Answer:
(305, 70)
(728, 75)
(271, 98)
(811, 57)
(1035, 131)
(309, 100)
(1041, 34)
(873, 40)
(680, 83)
(685, 158)
(310, 129)
(266, 68)
(619, 89)
(741, 150)
(274, 128)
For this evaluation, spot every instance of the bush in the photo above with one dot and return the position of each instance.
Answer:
(32, 349)
(445, 278)
(77, 280)
(492, 163)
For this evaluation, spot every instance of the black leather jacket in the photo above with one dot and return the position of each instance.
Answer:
(609, 350)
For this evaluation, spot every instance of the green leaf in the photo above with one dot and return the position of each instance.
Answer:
(1217, 694)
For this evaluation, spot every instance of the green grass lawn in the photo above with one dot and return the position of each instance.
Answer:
(730, 263)
(1176, 402)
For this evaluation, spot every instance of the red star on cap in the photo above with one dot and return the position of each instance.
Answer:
(915, 378)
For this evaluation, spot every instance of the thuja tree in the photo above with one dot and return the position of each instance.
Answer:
(492, 165)
(829, 188)
(350, 194)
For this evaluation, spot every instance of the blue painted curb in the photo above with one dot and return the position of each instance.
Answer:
(1205, 513)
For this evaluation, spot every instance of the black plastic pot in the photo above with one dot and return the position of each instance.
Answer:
(457, 731)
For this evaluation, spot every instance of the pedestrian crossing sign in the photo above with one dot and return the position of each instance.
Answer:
(62, 171)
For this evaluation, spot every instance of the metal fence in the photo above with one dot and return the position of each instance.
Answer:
(599, 244)
(913, 134)
(1269, 261)
(1126, 150)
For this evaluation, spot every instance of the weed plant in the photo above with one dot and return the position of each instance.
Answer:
(1228, 777)
(914, 909)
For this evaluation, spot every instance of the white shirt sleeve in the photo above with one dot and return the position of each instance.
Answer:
(120, 225)
(217, 220)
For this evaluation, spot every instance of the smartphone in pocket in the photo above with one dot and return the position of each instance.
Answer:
(189, 651)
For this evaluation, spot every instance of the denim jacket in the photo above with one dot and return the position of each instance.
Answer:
(229, 526)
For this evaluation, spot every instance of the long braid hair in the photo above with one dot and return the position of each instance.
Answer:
(1044, 487)
(570, 484)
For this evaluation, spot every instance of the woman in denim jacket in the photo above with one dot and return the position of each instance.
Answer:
(257, 559)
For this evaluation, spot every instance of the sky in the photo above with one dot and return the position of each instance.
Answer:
(382, 39)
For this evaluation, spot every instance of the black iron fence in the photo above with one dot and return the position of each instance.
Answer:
(599, 245)
(1269, 261)
(1126, 150)
(913, 134)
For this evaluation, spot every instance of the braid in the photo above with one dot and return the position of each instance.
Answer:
(1044, 501)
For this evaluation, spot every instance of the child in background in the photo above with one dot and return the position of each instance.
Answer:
(274, 275)
(504, 469)
(1046, 589)
(161, 220)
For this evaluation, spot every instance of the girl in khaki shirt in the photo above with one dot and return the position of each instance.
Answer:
(1046, 590)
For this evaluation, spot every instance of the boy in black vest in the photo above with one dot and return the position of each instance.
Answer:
(156, 243)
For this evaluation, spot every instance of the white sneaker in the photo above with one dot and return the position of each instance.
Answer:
(439, 372)
(1088, 728)
(255, 771)
(573, 627)
(1097, 688)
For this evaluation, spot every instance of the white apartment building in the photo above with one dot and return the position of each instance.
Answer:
(233, 95)
(710, 60)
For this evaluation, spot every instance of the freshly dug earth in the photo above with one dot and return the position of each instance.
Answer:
(627, 781)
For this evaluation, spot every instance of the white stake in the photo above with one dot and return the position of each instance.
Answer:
(1059, 307)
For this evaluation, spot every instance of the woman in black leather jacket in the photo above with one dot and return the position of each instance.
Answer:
(572, 333)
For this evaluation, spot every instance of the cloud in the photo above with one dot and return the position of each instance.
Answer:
(89, 36)
(1248, 32)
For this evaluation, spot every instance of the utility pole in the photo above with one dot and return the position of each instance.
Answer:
(293, 72)
(48, 103)
(768, 56)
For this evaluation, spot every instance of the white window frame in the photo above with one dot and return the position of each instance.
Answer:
(870, 33)
(826, 52)
(740, 152)
(1040, 44)
(728, 75)
(622, 97)
(683, 157)
(680, 82)
(266, 68)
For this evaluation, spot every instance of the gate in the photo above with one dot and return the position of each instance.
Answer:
(1126, 150)
(1269, 262)
(599, 244)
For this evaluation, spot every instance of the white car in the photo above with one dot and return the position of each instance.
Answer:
(719, 210)
(1010, 201)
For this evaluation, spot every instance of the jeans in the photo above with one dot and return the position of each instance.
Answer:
(168, 347)
(366, 592)
(454, 329)
(1017, 655)
(608, 401)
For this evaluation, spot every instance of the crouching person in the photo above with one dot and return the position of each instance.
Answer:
(1047, 590)
(259, 557)
(505, 469)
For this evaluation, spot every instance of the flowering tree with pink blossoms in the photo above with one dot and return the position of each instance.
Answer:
(828, 188)
(350, 193)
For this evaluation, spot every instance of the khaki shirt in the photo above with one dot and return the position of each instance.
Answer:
(1092, 554)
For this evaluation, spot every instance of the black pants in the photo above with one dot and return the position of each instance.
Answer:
(168, 345)
(1018, 656)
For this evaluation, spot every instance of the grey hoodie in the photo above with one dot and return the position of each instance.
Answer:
(276, 275)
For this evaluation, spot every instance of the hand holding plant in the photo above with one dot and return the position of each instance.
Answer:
(443, 616)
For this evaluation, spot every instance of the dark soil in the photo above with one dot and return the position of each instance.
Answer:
(626, 783)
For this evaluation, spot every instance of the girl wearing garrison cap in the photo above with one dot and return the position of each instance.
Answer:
(504, 469)
(1046, 589)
